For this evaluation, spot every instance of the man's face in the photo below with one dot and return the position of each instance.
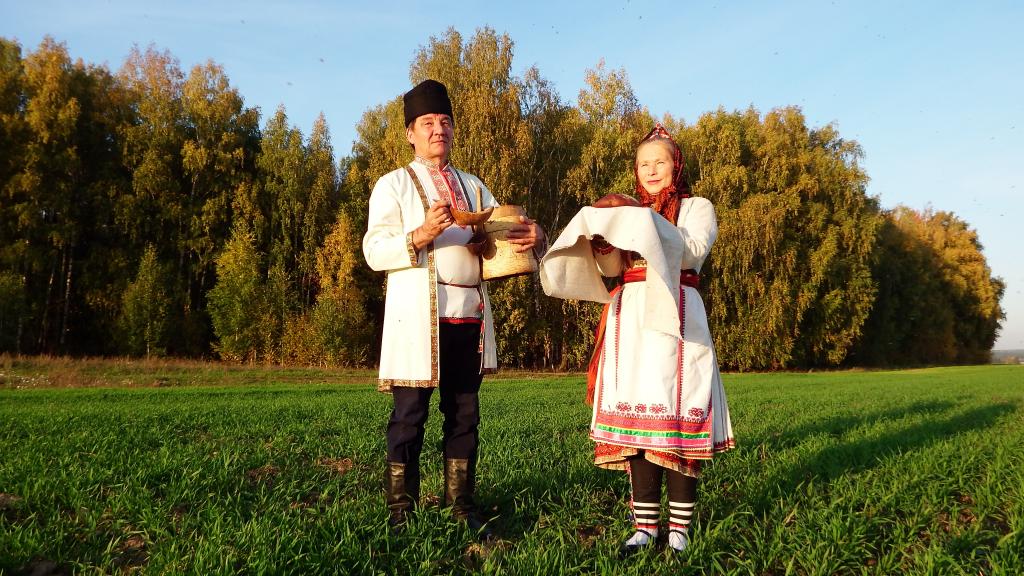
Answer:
(431, 137)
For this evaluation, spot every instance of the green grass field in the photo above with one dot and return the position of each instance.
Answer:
(163, 468)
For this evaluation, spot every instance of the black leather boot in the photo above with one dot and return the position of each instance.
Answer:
(401, 491)
(459, 486)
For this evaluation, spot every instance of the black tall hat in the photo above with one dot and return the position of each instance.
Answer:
(428, 97)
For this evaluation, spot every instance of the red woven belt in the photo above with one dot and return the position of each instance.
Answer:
(687, 277)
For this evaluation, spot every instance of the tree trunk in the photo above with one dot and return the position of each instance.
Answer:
(46, 309)
(68, 263)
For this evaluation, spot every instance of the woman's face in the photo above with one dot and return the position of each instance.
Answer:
(654, 167)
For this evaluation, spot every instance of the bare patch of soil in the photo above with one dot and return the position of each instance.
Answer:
(263, 475)
(340, 466)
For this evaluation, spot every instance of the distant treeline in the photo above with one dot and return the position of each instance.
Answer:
(147, 212)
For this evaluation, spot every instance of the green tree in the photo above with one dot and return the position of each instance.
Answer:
(40, 197)
(103, 259)
(107, 182)
(278, 306)
(60, 174)
(975, 293)
(281, 165)
(937, 300)
(341, 329)
(299, 186)
(281, 175)
(321, 205)
(236, 301)
(12, 305)
(557, 132)
(145, 305)
(790, 281)
(153, 211)
(13, 136)
(613, 123)
(153, 143)
(218, 156)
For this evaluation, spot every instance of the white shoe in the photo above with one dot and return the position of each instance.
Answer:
(641, 540)
(678, 540)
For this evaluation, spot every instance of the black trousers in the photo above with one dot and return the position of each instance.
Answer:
(459, 387)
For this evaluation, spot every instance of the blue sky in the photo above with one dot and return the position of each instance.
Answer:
(932, 90)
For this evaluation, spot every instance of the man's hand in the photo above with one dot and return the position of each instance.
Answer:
(438, 218)
(525, 235)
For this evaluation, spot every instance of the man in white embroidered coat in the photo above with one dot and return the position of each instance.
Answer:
(438, 329)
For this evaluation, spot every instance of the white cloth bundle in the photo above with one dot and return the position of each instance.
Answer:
(569, 269)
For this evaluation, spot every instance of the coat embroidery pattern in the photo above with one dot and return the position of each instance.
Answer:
(385, 385)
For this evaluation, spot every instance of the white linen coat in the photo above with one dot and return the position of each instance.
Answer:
(409, 347)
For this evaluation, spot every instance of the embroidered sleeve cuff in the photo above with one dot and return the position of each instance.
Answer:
(414, 257)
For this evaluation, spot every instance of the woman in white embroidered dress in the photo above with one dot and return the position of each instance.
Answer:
(659, 405)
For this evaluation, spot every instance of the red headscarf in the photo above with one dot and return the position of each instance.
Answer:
(667, 201)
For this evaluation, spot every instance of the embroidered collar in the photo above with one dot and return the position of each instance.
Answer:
(446, 181)
(432, 164)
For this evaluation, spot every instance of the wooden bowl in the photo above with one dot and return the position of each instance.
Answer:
(465, 218)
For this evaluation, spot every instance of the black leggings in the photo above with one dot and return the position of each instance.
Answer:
(645, 477)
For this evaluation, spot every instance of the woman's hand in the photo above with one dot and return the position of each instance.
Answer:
(525, 235)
